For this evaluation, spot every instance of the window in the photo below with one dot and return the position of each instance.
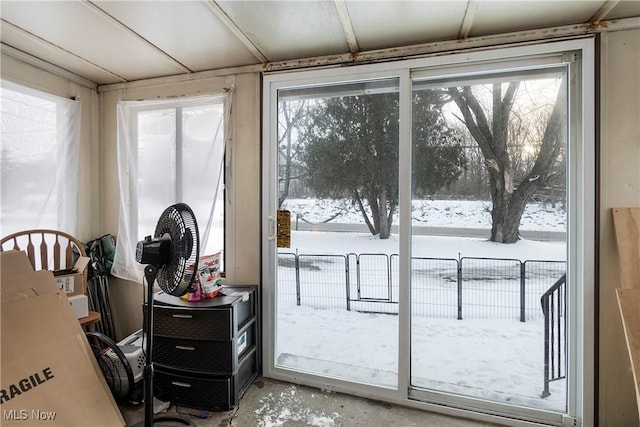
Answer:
(441, 230)
(40, 145)
(170, 152)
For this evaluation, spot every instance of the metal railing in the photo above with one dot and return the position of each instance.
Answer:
(554, 308)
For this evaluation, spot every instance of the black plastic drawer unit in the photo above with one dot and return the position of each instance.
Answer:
(206, 353)
(213, 393)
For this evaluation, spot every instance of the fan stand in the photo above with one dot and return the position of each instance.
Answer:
(150, 272)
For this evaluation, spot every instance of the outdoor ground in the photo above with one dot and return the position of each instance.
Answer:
(494, 356)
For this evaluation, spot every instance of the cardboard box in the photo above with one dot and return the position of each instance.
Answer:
(73, 283)
(79, 305)
(49, 373)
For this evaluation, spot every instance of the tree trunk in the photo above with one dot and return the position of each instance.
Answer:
(382, 219)
(385, 226)
(287, 169)
(505, 219)
(363, 211)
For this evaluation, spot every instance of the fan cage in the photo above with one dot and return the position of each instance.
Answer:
(178, 221)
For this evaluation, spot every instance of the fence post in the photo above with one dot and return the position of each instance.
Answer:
(389, 290)
(346, 270)
(297, 263)
(459, 287)
(522, 290)
(358, 277)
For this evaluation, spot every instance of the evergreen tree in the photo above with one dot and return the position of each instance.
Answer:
(352, 148)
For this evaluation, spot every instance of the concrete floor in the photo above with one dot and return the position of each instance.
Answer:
(270, 403)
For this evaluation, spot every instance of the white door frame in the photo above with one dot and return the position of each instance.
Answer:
(581, 235)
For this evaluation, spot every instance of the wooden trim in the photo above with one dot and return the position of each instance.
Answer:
(629, 305)
(627, 227)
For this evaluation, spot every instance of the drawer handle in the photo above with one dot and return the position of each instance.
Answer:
(183, 347)
(182, 316)
(181, 384)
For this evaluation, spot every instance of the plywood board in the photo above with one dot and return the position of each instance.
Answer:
(629, 304)
(627, 226)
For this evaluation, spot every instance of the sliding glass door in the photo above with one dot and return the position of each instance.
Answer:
(480, 289)
(428, 231)
(338, 179)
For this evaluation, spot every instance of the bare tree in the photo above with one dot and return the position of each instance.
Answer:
(291, 115)
(492, 136)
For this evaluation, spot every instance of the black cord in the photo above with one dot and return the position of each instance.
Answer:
(235, 411)
(204, 414)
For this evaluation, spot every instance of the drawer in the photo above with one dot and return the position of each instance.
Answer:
(215, 393)
(246, 308)
(247, 339)
(216, 357)
(203, 393)
(193, 324)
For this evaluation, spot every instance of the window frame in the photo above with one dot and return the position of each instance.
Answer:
(129, 191)
(67, 146)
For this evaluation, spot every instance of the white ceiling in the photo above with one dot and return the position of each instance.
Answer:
(121, 41)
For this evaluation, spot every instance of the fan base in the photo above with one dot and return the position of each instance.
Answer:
(161, 420)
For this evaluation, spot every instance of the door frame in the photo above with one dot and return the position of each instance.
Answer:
(580, 236)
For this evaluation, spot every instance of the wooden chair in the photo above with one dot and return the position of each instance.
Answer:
(55, 248)
(50, 250)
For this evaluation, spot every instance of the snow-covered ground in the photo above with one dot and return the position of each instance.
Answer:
(431, 213)
(498, 359)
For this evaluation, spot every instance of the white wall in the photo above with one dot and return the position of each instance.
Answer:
(619, 187)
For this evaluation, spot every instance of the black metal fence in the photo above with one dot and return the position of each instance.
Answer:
(554, 307)
(467, 287)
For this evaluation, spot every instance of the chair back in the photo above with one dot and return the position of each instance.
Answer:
(46, 249)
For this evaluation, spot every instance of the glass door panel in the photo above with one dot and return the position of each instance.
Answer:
(336, 305)
(489, 226)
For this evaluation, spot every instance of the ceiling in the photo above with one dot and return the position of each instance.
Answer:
(121, 41)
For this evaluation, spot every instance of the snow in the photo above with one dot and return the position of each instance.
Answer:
(432, 213)
(495, 358)
(276, 410)
(486, 358)
(312, 242)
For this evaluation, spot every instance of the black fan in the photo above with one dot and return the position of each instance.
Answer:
(171, 258)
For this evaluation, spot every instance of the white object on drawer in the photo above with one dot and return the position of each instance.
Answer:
(242, 342)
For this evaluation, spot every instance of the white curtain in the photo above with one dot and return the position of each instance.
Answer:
(146, 154)
(67, 176)
(40, 168)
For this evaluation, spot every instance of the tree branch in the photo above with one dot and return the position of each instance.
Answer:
(466, 104)
(363, 211)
